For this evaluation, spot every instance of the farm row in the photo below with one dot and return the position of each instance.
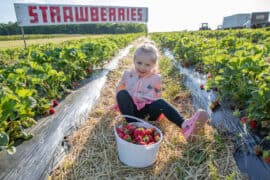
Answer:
(33, 80)
(236, 61)
(237, 66)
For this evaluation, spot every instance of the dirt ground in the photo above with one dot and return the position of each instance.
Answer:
(93, 151)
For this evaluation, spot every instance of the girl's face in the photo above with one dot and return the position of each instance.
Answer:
(144, 64)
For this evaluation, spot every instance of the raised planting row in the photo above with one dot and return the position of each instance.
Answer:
(33, 80)
(237, 66)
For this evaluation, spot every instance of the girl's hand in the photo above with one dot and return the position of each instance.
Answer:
(121, 87)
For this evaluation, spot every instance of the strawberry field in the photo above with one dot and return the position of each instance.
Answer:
(236, 67)
(237, 64)
(37, 80)
(33, 80)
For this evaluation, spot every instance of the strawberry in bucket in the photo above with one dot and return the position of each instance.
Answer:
(137, 142)
(138, 135)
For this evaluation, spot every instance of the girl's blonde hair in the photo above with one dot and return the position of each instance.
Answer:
(150, 49)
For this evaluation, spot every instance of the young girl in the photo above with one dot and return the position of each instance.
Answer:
(139, 93)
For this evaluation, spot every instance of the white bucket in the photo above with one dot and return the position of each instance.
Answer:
(136, 155)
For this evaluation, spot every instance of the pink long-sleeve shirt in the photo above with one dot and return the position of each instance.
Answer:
(143, 90)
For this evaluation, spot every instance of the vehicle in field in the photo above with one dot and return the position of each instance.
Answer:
(204, 26)
(219, 27)
(260, 19)
(235, 21)
(247, 20)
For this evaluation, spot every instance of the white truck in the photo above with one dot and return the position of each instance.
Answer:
(251, 20)
(235, 21)
(260, 19)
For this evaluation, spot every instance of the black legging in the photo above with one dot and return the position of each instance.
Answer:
(152, 111)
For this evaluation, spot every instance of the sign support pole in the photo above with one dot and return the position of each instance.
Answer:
(146, 28)
(23, 37)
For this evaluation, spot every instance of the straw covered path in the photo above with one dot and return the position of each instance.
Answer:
(93, 152)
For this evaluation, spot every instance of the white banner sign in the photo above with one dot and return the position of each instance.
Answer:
(55, 14)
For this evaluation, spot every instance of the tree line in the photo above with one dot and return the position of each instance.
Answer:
(108, 28)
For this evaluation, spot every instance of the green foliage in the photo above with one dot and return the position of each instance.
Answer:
(41, 31)
(170, 78)
(4, 139)
(236, 61)
(42, 73)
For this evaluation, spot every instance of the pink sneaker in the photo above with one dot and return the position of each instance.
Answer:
(192, 125)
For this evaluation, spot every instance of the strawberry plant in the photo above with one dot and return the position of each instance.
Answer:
(238, 61)
(4, 143)
(31, 78)
(266, 156)
(4, 139)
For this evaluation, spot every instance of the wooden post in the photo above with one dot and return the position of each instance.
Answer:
(23, 37)
(146, 29)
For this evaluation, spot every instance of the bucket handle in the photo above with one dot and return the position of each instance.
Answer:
(132, 117)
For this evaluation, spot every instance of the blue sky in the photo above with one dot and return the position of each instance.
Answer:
(164, 15)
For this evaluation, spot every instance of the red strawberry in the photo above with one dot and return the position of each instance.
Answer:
(157, 137)
(54, 103)
(126, 131)
(151, 139)
(266, 156)
(52, 111)
(131, 127)
(201, 86)
(142, 143)
(89, 69)
(127, 138)
(138, 139)
(216, 102)
(139, 132)
(257, 150)
(148, 131)
(121, 135)
(244, 119)
(119, 130)
(253, 124)
(75, 84)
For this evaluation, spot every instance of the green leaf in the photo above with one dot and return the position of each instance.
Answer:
(11, 150)
(19, 71)
(24, 92)
(4, 139)
(26, 136)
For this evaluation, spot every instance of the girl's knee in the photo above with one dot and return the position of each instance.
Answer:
(160, 102)
(122, 94)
